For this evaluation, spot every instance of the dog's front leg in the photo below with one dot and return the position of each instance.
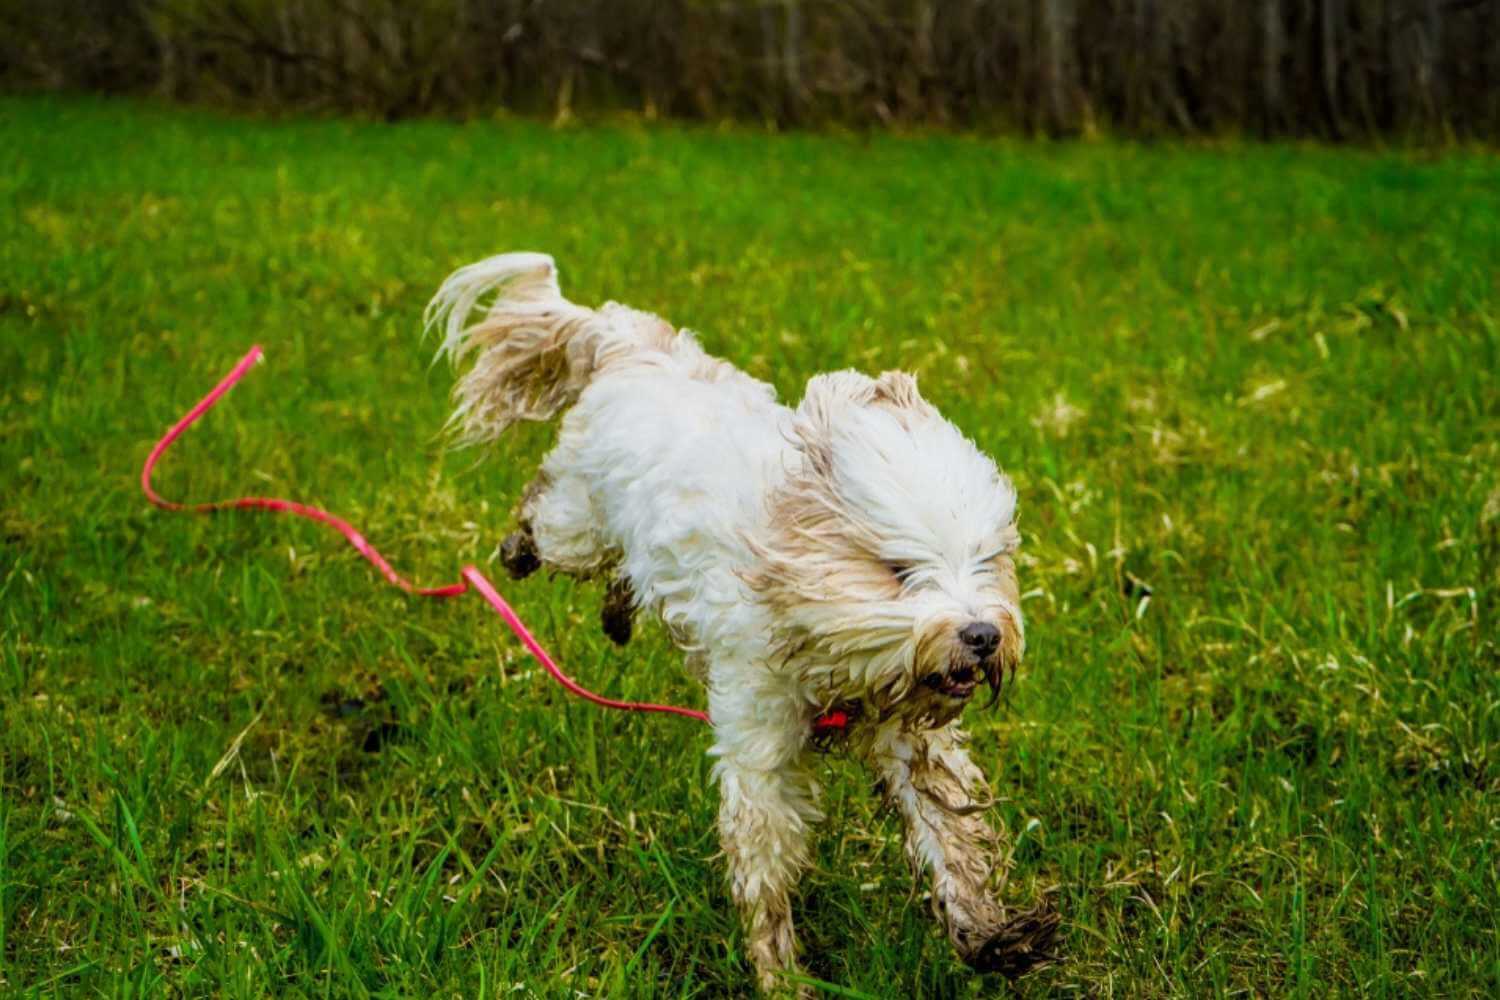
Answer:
(942, 796)
(768, 802)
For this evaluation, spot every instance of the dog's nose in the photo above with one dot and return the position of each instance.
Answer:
(982, 638)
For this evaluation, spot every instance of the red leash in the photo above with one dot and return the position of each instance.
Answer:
(472, 578)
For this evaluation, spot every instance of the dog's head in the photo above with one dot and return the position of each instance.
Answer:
(889, 557)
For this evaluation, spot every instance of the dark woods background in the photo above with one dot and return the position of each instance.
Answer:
(1330, 68)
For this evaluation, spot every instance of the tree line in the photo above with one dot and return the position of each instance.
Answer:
(1329, 68)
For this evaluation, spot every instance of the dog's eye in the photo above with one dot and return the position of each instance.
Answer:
(1006, 549)
(900, 570)
(986, 562)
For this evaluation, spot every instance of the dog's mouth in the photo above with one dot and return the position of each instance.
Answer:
(958, 683)
(962, 679)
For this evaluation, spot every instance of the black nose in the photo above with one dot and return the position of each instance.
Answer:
(981, 637)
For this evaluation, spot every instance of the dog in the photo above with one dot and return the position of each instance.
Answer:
(855, 553)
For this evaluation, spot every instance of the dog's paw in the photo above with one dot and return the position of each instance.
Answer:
(1021, 945)
(518, 555)
(617, 617)
(779, 985)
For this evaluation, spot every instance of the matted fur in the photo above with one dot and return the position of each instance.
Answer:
(842, 552)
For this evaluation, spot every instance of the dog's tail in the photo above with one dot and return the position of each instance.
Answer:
(534, 351)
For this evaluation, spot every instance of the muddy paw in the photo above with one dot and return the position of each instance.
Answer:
(1021, 945)
(518, 555)
(617, 615)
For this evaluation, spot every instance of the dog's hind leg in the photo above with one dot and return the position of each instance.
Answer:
(518, 554)
(559, 529)
(929, 777)
(617, 617)
(521, 557)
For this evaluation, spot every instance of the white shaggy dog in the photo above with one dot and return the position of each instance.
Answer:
(852, 553)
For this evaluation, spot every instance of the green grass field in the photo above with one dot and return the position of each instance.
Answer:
(1259, 380)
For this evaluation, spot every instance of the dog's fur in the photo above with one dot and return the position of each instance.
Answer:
(856, 551)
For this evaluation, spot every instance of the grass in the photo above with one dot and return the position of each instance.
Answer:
(1256, 384)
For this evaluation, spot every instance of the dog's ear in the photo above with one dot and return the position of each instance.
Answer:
(832, 391)
(893, 388)
(820, 550)
(831, 394)
(899, 390)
